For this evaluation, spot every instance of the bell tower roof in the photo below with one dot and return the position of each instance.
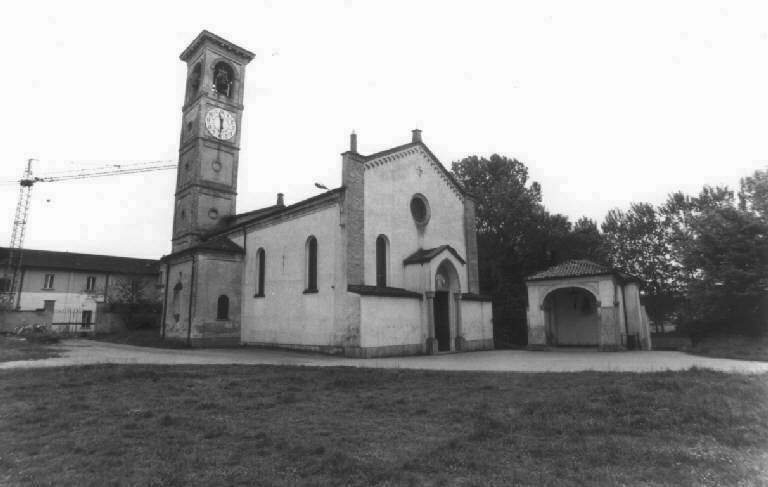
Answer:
(217, 41)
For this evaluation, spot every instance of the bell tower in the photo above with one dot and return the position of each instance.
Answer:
(206, 181)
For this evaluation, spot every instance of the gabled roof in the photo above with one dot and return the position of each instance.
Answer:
(426, 255)
(239, 219)
(579, 268)
(233, 222)
(419, 144)
(50, 259)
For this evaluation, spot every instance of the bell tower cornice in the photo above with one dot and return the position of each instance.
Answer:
(205, 36)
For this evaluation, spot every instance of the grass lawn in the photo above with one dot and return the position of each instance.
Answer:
(263, 425)
(733, 346)
(16, 348)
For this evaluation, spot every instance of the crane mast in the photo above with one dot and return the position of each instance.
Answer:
(11, 277)
(12, 272)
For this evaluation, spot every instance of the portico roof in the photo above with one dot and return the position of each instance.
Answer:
(579, 268)
(425, 255)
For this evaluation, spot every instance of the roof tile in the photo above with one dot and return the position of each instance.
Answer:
(578, 268)
(83, 262)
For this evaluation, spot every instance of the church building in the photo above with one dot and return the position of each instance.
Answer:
(385, 264)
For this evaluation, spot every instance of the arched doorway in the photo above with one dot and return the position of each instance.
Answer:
(446, 284)
(572, 318)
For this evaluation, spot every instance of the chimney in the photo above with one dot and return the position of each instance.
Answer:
(353, 142)
(416, 135)
(280, 201)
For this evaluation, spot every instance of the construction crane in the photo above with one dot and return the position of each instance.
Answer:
(9, 282)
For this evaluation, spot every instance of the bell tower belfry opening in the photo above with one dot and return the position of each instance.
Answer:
(209, 146)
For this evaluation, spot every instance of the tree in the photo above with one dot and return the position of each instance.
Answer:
(753, 194)
(135, 299)
(511, 225)
(729, 259)
(585, 242)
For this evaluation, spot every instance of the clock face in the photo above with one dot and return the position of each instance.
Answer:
(220, 123)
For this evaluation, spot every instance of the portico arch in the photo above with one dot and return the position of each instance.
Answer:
(571, 316)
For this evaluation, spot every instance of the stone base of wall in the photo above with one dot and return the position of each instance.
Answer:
(536, 347)
(477, 345)
(202, 342)
(611, 348)
(388, 351)
(326, 349)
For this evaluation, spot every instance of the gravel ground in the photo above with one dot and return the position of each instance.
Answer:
(82, 352)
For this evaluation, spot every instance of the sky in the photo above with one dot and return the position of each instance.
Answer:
(607, 103)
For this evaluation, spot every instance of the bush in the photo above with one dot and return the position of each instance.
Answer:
(37, 334)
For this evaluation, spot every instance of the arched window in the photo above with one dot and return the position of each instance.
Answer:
(260, 262)
(223, 77)
(193, 82)
(382, 258)
(222, 308)
(311, 265)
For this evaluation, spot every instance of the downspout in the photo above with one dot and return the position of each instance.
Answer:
(243, 294)
(106, 288)
(21, 285)
(165, 301)
(191, 296)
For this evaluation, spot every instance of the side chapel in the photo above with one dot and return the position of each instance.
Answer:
(385, 264)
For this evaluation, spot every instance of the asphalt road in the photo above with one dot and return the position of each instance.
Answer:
(82, 352)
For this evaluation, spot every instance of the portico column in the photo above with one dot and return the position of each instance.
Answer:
(461, 343)
(431, 341)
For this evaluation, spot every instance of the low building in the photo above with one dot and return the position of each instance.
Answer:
(581, 303)
(71, 286)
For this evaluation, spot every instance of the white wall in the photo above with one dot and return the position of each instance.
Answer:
(391, 321)
(389, 187)
(476, 321)
(285, 315)
(68, 291)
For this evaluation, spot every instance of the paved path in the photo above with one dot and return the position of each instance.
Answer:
(81, 352)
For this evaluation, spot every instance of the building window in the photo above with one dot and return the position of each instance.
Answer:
(87, 319)
(260, 262)
(90, 283)
(382, 257)
(5, 284)
(223, 77)
(222, 308)
(48, 283)
(420, 209)
(311, 265)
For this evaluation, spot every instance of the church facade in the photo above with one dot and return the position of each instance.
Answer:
(385, 264)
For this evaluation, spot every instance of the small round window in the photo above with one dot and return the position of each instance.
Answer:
(213, 213)
(420, 209)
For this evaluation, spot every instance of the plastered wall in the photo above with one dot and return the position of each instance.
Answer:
(286, 315)
(476, 320)
(389, 187)
(391, 321)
